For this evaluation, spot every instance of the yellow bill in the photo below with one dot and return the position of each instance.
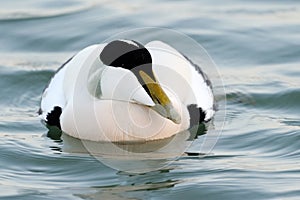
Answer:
(162, 102)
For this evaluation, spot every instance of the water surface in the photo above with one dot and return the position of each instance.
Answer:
(256, 45)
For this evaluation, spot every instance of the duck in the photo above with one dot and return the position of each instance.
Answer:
(125, 91)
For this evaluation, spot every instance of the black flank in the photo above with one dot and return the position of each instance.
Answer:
(52, 118)
(197, 115)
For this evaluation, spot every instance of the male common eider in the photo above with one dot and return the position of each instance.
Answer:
(123, 91)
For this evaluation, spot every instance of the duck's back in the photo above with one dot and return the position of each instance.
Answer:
(61, 87)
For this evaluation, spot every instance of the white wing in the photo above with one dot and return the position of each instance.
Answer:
(61, 85)
(183, 77)
(53, 94)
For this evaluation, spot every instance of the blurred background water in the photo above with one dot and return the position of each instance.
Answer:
(256, 45)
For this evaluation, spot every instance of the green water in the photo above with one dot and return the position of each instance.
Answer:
(256, 46)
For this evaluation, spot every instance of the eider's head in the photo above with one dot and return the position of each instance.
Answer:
(132, 58)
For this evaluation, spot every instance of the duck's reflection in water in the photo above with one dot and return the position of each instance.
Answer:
(134, 157)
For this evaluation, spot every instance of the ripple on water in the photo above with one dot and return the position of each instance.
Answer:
(257, 155)
(46, 9)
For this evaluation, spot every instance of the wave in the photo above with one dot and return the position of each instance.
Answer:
(287, 100)
(17, 14)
